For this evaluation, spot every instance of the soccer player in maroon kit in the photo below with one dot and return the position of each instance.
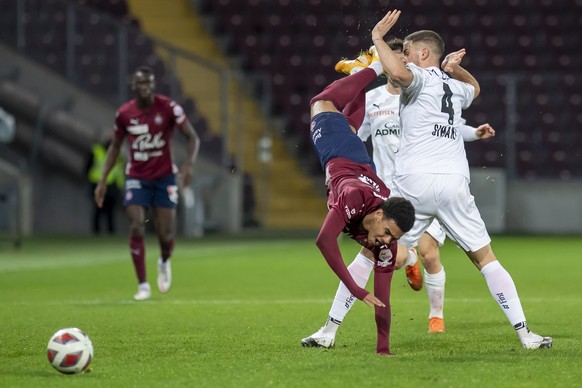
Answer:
(358, 200)
(148, 122)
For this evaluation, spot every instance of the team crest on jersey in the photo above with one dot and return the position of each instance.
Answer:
(158, 119)
(385, 258)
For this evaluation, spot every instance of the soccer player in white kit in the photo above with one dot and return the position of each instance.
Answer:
(382, 125)
(431, 168)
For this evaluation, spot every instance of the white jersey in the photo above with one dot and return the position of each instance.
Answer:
(430, 115)
(382, 124)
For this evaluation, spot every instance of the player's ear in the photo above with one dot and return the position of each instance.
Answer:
(379, 214)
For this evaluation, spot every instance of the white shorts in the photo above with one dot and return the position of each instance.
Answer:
(447, 198)
(437, 232)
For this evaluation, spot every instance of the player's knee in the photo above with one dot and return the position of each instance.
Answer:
(136, 228)
(429, 257)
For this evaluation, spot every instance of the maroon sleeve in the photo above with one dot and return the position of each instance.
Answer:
(119, 129)
(382, 284)
(327, 244)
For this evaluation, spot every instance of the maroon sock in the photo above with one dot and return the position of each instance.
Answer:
(166, 248)
(355, 110)
(382, 284)
(137, 250)
(344, 90)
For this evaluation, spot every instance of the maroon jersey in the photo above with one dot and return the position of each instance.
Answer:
(354, 190)
(149, 132)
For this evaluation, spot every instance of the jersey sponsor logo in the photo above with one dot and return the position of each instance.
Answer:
(377, 105)
(349, 212)
(444, 131)
(390, 129)
(138, 129)
(385, 258)
(148, 142)
(384, 112)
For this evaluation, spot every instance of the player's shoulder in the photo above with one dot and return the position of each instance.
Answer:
(126, 107)
(160, 99)
(376, 93)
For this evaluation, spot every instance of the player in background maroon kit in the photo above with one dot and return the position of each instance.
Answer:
(148, 122)
(357, 198)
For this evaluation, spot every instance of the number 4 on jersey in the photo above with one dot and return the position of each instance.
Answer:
(447, 104)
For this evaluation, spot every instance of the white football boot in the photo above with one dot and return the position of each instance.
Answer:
(164, 275)
(143, 291)
(319, 339)
(535, 341)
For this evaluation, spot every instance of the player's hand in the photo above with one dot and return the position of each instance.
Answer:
(384, 25)
(99, 194)
(485, 131)
(372, 301)
(185, 175)
(453, 60)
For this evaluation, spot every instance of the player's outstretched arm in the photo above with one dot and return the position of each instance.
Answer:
(393, 66)
(327, 244)
(192, 148)
(452, 65)
(482, 132)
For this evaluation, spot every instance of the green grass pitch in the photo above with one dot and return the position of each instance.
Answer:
(239, 307)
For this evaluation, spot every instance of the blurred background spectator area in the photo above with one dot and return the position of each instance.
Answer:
(525, 54)
(522, 51)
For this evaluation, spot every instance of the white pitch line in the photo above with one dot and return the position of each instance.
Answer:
(242, 302)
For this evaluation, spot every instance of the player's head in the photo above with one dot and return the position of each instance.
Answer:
(394, 217)
(397, 46)
(423, 47)
(143, 83)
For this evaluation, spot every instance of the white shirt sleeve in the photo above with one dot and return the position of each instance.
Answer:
(469, 93)
(468, 132)
(417, 80)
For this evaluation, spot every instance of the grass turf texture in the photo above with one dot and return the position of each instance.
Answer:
(239, 307)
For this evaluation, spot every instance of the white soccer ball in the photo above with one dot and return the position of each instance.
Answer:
(70, 351)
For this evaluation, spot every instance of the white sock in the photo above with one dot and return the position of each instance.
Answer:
(435, 288)
(412, 258)
(360, 269)
(377, 66)
(503, 290)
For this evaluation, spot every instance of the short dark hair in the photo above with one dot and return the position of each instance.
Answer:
(145, 70)
(401, 211)
(428, 37)
(396, 44)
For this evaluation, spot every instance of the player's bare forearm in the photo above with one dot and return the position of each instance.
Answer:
(192, 149)
(112, 155)
(392, 64)
(461, 74)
